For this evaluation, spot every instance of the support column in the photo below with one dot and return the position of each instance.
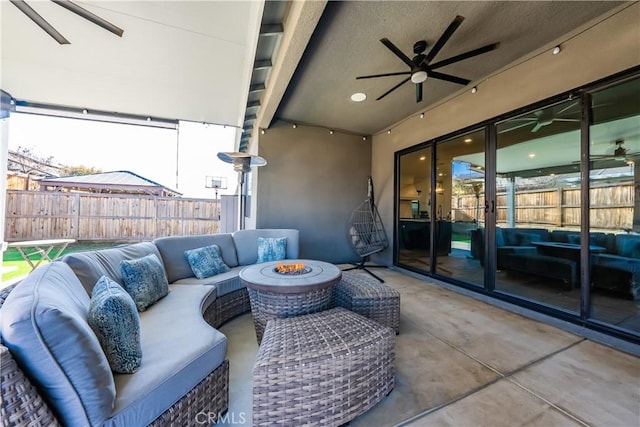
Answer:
(4, 153)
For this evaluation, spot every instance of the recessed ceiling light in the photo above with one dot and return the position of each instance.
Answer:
(474, 89)
(358, 97)
(423, 157)
(467, 140)
(556, 50)
(532, 155)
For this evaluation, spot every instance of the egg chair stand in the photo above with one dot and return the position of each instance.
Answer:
(366, 233)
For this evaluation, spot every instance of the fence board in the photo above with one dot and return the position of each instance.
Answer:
(612, 207)
(35, 215)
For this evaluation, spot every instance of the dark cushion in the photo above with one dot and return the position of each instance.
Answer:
(206, 262)
(145, 280)
(113, 316)
(271, 249)
(630, 248)
(525, 239)
(573, 238)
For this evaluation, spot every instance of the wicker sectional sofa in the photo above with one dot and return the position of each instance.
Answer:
(54, 371)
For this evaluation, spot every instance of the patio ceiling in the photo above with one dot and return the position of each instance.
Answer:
(346, 44)
(186, 60)
(206, 61)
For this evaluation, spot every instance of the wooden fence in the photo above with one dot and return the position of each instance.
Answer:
(34, 215)
(612, 207)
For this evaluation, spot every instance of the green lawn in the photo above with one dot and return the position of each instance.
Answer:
(12, 258)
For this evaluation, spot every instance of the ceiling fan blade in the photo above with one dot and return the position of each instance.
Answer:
(89, 16)
(568, 107)
(466, 55)
(39, 21)
(393, 48)
(373, 76)
(448, 77)
(393, 88)
(444, 38)
(537, 127)
(566, 120)
(516, 127)
(418, 92)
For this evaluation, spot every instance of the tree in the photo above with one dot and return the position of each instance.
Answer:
(78, 170)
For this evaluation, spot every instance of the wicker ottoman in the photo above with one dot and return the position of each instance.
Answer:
(368, 297)
(321, 369)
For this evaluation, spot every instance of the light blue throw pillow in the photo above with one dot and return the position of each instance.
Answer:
(206, 261)
(145, 280)
(113, 316)
(272, 249)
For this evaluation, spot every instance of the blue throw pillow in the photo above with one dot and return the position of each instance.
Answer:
(145, 280)
(114, 319)
(206, 262)
(272, 249)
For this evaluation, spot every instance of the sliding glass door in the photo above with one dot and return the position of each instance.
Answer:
(414, 211)
(538, 206)
(459, 207)
(614, 211)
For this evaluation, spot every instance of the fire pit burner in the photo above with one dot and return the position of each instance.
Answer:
(292, 269)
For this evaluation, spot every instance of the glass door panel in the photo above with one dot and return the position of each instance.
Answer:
(414, 210)
(614, 212)
(538, 206)
(459, 217)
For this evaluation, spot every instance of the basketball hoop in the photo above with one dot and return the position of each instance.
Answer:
(217, 183)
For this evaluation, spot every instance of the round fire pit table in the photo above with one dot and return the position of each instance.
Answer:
(275, 294)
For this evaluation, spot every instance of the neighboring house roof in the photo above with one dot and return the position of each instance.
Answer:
(110, 182)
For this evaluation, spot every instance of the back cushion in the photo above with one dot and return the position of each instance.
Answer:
(92, 265)
(247, 243)
(173, 248)
(44, 325)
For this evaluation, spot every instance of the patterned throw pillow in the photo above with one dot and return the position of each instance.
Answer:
(114, 319)
(271, 249)
(145, 280)
(206, 261)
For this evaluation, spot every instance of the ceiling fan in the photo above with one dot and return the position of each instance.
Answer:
(421, 66)
(620, 153)
(541, 118)
(49, 29)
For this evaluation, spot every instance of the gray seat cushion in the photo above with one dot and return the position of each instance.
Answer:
(90, 266)
(223, 282)
(179, 349)
(44, 325)
(246, 242)
(172, 250)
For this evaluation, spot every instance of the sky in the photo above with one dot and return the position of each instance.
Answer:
(179, 160)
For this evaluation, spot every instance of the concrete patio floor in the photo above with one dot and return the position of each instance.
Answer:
(463, 362)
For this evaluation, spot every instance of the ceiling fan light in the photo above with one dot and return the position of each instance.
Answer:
(419, 76)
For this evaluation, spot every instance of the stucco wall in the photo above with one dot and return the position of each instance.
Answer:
(312, 182)
(599, 49)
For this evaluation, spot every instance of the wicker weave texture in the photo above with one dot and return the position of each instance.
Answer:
(21, 405)
(226, 307)
(266, 306)
(368, 297)
(206, 401)
(321, 369)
